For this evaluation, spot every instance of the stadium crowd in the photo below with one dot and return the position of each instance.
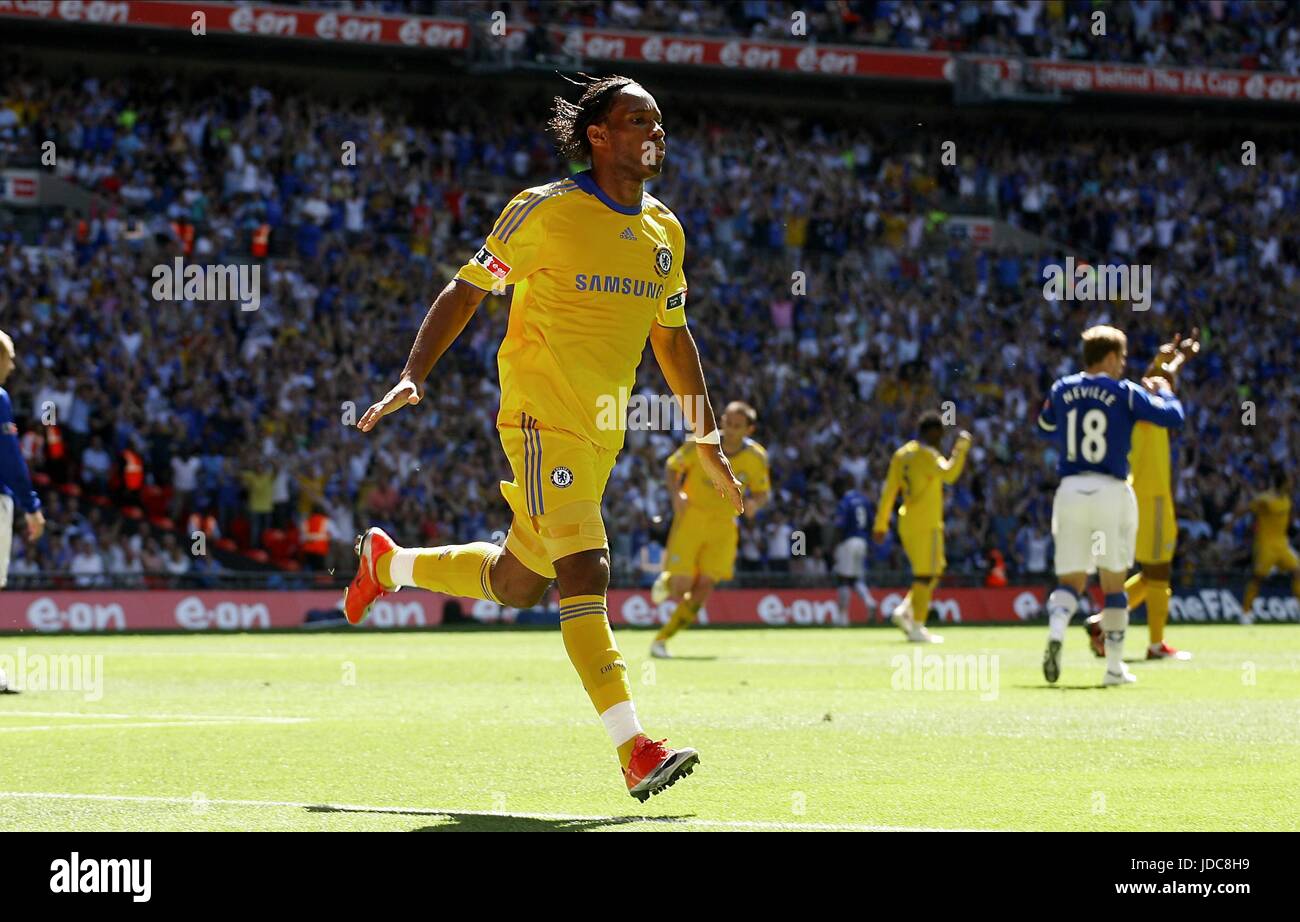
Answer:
(244, 416)
(1231, 34)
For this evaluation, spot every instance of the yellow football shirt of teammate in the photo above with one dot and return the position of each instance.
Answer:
(919, 472)
(590, 277)
(705, 536)
(1149, 461)
(1272, 515)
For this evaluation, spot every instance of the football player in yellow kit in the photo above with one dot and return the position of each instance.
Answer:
(596, 265)
(1149, 460)
(702, 545)
(920, 471)
(1272, 510)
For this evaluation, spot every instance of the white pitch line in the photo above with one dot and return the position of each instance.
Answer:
(430, 811)
(151, 723)
(247, 718)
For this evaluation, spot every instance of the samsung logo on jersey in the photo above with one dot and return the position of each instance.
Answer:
(1089, 391)
(619, 285)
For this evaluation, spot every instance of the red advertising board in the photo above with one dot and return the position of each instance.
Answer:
(743, 54)
(215, 610)
(793, 57)
(261, 21)
(94, 611)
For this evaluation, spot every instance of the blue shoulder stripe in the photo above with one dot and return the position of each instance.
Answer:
(520, 215)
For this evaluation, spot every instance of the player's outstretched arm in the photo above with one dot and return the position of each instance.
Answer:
(447, 316)
(1160, 407)
(679, 360)
(951, 468)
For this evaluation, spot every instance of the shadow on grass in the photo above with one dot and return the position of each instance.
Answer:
(497, 822)
(1060, 687)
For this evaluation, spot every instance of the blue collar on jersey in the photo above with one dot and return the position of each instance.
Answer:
(587, 184)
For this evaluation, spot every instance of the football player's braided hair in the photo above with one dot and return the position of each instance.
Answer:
(568, 122)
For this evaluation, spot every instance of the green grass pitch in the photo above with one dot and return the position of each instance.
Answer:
(797, 729)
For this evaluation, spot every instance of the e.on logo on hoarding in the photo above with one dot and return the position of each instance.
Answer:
(193, 615)
(45, 615)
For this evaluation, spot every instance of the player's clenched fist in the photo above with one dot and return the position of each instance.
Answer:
(406, 392)
(715, 464)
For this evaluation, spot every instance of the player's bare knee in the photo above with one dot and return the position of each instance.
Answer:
(1076, 581)
(1158, 571)
(521, 594)
(516, 585)
(583, 573)
(701, 588)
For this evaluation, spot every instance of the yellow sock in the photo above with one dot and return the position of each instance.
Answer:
(920, 596)
(1248, 600)
(683, 616)
(584, 623)
(456, 569)
(1136, 587)
(1158, 595)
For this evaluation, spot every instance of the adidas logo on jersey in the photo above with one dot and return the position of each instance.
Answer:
(627, 234)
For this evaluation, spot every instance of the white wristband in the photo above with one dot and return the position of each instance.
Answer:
(713, 438)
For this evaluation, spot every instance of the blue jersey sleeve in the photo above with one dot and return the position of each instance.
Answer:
(1047, 417)
(13, 469)
(1163, 409)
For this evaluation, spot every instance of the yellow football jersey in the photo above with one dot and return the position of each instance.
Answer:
(920, 472)
(1272, 515)
(590, 277)
(1149, 460)
(749, 465)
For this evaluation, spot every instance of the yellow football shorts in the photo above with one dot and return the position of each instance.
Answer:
(702, 545)
(1270, 554)
(559, 481)
(924, 549)
(1157, 532)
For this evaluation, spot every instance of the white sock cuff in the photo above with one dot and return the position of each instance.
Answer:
(1114, 619)
(1063, 600)
(621, 723)
(401, 569)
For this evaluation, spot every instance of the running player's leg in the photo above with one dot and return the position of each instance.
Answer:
(1262, 566)
(566, 478)
(850, 574)
(1157, 591)
(1070, 533)
(1157, 537)
(843, 593)
(868, 599)
(1115, 526)
(688, 609)
(480, 570)
(1287, 561)
(1135, 587)
(924, 583)
(910, 612)
(714, 559)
